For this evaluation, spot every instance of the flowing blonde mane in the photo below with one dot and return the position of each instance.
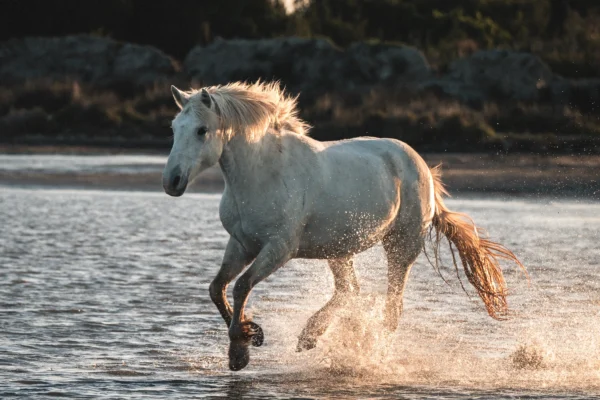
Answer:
(252, 110)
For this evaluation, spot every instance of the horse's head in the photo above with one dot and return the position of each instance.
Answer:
(197, 145)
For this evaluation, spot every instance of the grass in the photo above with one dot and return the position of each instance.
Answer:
(59, 111)
(68, 108)
(428, 122)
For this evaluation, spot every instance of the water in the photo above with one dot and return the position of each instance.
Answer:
(105, 295)
(63, 163)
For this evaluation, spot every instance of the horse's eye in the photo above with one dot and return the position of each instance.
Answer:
(202, 131)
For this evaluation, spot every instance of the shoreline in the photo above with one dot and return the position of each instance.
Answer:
(521, 175)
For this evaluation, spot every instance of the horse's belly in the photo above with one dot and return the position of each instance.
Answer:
(347, 221)
(330, 236)
(337, 249)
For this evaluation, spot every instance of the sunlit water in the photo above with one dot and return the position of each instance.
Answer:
(65, 163)
(105, 295)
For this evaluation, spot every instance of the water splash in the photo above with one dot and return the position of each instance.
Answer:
(446, 340)
(75, 309)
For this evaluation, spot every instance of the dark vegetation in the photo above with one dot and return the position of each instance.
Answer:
(70, 113)
(564, 33)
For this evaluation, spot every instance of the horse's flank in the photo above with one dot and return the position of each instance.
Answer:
(252, 110)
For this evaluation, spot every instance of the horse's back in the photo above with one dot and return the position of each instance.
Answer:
(401, 164)
(398, 157)
(367, 186)
(370, 158)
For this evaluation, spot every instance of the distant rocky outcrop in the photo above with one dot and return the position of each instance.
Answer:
(310, 66)
(306, 64)
(86, 89)
(316, 65)
(95, 60)
(508, 76)
(495, 74)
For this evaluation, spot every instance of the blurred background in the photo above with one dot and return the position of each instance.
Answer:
(469, 75)
(495, 78)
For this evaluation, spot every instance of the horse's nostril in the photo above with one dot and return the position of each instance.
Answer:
(176, 180)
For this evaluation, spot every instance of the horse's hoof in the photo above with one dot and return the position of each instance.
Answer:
(258, 337)
(306, 343)
(239, 355)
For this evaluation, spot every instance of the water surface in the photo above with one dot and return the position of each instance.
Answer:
(105, 295)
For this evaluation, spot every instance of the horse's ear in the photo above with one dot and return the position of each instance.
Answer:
(205, 97)
(181, 98)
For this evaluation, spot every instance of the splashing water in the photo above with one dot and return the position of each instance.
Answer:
(445, 339)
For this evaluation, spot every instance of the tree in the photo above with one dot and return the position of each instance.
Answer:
(559, 11)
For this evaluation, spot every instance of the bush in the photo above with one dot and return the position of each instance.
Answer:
(22, 122)
(425, 121)
(541, 119)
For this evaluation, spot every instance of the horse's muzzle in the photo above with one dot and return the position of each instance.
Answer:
(175, 183)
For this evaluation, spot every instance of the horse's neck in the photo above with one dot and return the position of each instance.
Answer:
(245, 164)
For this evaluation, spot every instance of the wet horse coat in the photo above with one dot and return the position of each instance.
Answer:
(289, 196)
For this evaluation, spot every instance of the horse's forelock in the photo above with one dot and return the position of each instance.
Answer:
(251, 110)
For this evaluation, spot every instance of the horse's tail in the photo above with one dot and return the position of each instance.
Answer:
(479, 255)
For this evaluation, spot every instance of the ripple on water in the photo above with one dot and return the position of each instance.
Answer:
(105, 296)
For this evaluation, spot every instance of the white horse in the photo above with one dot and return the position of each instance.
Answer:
(289, 196)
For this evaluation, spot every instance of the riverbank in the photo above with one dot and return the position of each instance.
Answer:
(477, 173)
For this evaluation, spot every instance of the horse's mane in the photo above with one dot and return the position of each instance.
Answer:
(252, 110)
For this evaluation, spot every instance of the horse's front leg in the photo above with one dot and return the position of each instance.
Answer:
(234, 262)
(241, 331)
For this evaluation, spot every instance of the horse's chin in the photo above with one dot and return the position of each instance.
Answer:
(176, 192)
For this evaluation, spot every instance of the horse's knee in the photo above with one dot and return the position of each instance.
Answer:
(216, 289)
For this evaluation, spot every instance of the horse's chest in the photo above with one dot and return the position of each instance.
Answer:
(251, 224)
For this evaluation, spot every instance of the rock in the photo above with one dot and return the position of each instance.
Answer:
(142, 64)
(297, 62)
(381, 63)
(310, 66)
(89, 59)
(305, 64)
(501, 73)
(495, 75)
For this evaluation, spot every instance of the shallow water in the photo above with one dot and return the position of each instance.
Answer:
(68, 163)
(104, 295)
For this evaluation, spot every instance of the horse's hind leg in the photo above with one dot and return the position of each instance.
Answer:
(346, 285)
(401, 254)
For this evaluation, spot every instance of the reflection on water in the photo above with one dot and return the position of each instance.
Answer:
(104, 295)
